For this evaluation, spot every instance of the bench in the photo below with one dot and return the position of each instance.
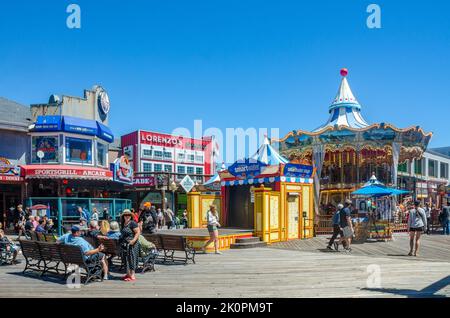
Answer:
(112, 249)
(169, 244)
(45, 257)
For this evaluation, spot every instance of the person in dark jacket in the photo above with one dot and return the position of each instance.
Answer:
(444, 217)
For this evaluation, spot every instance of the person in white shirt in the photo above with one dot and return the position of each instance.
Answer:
(417, 223)
(213, 223)
(94, 216)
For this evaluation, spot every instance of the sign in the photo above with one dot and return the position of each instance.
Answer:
(48, 145)
(187, 183)
(122, 170)
(298, 170)
(165, 140)
(103, 102)
(64, 172)
(144, 181)
(40, 154)
(246, 169)
(8, 171)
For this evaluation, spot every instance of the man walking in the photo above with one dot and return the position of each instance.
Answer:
(345, 222)
(428, 215)
(445, 219)
(337, 230)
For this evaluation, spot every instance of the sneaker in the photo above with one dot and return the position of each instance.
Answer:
(329, 247)
(348, 250)
(218, 252)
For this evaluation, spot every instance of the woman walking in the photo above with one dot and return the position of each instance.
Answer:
(129, 242)
(417, 223)
(213, 223)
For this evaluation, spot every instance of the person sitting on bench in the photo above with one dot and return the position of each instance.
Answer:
(9, 246)
(89, 253)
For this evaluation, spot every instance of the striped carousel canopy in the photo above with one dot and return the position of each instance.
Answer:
(345, 109)
(268, 155)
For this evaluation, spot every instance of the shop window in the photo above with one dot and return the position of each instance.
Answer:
(444, 170)
(102, 153)
(167, 155)
(167, 168)
(48, 145)
(147, 167)
(157, 167)
(78, 150)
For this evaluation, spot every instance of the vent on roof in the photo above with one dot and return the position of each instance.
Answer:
(54, 99)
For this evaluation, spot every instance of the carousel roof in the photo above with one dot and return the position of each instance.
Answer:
(345, 109)
(268, 155)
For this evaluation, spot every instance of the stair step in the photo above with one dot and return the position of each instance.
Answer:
(248, 240)
(248, 245)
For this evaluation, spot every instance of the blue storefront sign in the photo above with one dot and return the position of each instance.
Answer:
(246, 169)
(298, 170)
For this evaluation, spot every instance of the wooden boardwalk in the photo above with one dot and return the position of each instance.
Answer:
(292, 269)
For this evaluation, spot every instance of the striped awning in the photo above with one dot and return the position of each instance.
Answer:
(266, 180)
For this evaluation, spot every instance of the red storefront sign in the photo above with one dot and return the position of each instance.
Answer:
(9, 178)
(65, 172)
(151, 138)
(144, 181)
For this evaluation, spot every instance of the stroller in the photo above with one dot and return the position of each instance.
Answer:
(6, 255)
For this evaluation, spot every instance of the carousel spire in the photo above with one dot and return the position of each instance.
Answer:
(345, 109)
(268, 155)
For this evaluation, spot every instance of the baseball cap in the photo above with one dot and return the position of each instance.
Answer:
(75, 228)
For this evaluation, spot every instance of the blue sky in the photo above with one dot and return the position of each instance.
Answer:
(233, 63)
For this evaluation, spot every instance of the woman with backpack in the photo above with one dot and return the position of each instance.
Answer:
(417, 223)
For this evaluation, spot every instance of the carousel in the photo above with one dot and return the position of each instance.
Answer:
(347, 150)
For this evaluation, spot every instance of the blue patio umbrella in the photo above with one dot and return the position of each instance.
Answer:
(374, 188)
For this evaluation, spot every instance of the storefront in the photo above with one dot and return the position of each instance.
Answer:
(11, 189)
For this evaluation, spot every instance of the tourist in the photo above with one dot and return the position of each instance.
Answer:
(147, 247)
(129, 241)
(105, 227)
(428, 215)
(49, 226)
(9, 246)
(21, 225)
(417, 223)
(345, 222)
(106, 216)
(94, 216)
(444, 218)
(114, 231)
(94, 230)
(168, 216)
(41, 227)
(159, 219)
(184, 220)
(83, 213)
(337, 230)
(145, 215)
(213, 224)
(29, 227)
(135, 216)
(36, 222)
(90, 254)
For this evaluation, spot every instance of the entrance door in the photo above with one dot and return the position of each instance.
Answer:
(293, 216)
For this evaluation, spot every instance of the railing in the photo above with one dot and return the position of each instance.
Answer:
(64, 209)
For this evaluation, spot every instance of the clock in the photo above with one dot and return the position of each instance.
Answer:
(103, 102)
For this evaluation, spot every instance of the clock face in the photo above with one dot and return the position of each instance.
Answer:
(103, 100)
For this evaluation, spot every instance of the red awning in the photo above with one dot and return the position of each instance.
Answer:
(65, 172)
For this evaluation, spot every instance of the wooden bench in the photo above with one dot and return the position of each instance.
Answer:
(169, 244)
(45, 257)
(112, 249)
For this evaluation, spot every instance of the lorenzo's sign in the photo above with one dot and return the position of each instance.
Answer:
(246, 169)
(297, 170)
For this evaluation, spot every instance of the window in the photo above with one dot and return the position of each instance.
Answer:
(167, 168)
(199, 158)
(418, 166)
(190, 170)
(181, 157)
(403, 167)
(157, 167)
(78, 150)
(147, 167)
(147, 152)
(432, 168)
(191, 158)
(158, 154)
(48, 145)
(167, 155)
(198, 170)
(181, 169)
(444, 170)
(102, 152)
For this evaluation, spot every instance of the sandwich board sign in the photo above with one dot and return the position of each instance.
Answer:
(187, 183)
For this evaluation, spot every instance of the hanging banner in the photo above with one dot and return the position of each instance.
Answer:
(297, 170)
(246, 169)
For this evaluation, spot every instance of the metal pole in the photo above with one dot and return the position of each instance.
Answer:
(59, 216)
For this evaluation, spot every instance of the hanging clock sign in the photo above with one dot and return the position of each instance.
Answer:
(103, 102)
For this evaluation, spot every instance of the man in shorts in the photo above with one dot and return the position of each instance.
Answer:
(345, 222)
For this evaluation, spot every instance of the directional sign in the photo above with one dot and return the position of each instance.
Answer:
(187, 183)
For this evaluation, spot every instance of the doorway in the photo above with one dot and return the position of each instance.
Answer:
(293, 207)
(240, 207)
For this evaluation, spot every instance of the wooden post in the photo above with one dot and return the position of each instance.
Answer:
(193, 207)
(262, 213)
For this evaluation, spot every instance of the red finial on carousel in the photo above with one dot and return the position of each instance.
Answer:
(344, 72)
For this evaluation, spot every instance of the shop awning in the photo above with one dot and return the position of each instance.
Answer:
(80, 126)
(104, 133)
(48, 123)
(65, 172)
(267, 179)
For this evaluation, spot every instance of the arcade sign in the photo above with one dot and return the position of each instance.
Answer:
(246, 169)
(298, 170)
(144, 181)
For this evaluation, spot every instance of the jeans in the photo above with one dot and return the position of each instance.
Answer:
(446, 227)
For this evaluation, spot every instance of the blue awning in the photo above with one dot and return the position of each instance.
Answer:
(104, 133)
(80, 126)
(48, 123)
